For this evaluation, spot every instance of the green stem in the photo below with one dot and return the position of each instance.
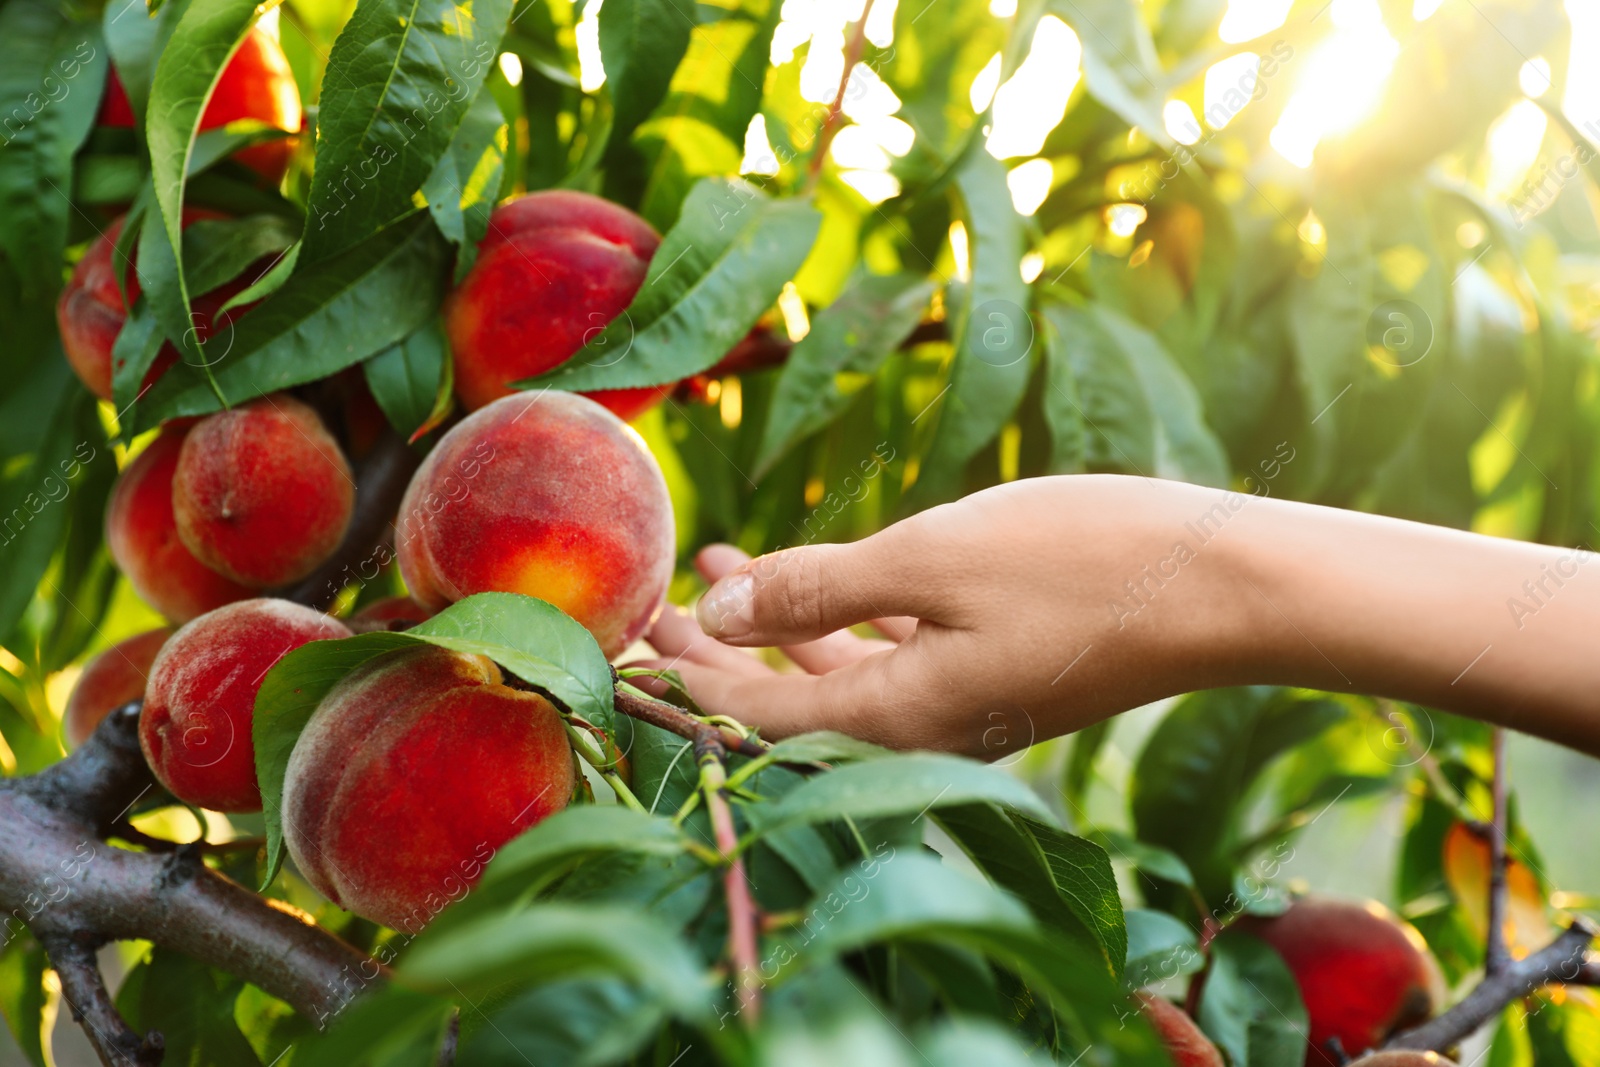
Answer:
(588, 748)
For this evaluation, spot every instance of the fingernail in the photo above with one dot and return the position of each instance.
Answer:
(728, 608)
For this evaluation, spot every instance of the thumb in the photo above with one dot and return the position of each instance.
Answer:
(800, 594)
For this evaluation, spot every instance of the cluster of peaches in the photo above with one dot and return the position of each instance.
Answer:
(423, 759)
(547, 494)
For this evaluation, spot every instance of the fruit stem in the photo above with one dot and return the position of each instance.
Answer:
(1497, 955)
(742, 917)
(588, 749)
(659, 713)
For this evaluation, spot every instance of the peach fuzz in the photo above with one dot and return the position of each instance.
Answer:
(555, 268)
(1362, 972)
(414, 769)
(262, 493)
(90, 311)
(546, 494)
(257, 84)
(200, 703)
(109, 681)
(143, 537)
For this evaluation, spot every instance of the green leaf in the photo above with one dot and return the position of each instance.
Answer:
(527, 637)
(135, 38)
(965, 1042)
(411, 380)
(288, 696)
(407, 72)
(823, 746)
(1151, 859)
(1086, 745)
(216, 251)
(50, 86)
(465, 183)
(1065, 880)
(326, 317)
(1251, 1006)
(717, 270)
(993, 334)
(547, 942)
(547, 850)
(1160, 948)
(1139, 411)
(201, 45)
(641, 44)
(851, 337)
(581, 1022)
(896, 785)
(391, 1026)
(1120, 67)
(23, 999)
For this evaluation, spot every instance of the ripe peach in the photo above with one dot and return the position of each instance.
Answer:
(555, 267)
(90, 311)
(414, 769)
(256, 84)
(200, 703)
(262, 493)
(1362, 973)
(143, 536)
(380, 613)
(109, 681)
(1185, 1042)
(1402, 1058)
(546, 494)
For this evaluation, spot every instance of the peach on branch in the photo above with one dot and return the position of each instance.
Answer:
(1362, 972)
(142, 536)
(1184, 1041)
(200, 703)
(262, 493)
(91, 311)
(1402, 1058)
(555, 268)
(109, 681)
(414, 769)
(546, 494)
(256, 84)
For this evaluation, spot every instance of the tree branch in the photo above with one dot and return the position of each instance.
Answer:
(660, 713)
(1564, 961)
(82, 987)
(1496, 955)
(742, 918)
(830, 124)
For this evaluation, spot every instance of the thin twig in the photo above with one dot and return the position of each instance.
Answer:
(830, 124)
(743, 919)
(676, 721)
(84, 990)
(1561, 962)
(1497, 956)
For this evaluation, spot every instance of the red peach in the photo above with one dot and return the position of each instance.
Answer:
(414, 769)
(1362, 972)
(262, 492)
(143, 536)
(109, 681)
(1184, 1041)
(555, 268)
(200, 704)
(380, 613)
(546, 494)
(90, 311)
(1402, 1058)
(256, 84)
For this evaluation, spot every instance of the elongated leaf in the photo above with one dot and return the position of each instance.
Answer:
(581, 1022)
(324, 318)
(716, 271)
(897, 785)
(391, 1025)
(1065, 880)
(200, 46)
(407, 72)
(1160, 948)
(641, 44)
(572, 834)
(1086, 745)
(852, 336)
(547, 942)
(411, 380)
(1120, 66)
(465, 183)
(218, 250)
(993, 336)
(1064, 416)
(1139, 412)
(50, 85)
(23, 999)
(825, 745)
(135, 38)
(1251, 1006)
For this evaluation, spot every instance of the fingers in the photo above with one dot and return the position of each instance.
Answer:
(898, 628)
(827, 653)
(679, 638)
(851, 700)
(800, 594)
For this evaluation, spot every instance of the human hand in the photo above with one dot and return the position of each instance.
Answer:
(1005, 619)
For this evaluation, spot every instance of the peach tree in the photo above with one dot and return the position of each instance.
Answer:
(278, 283)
